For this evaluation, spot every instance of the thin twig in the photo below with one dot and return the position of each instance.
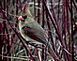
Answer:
(11, 57)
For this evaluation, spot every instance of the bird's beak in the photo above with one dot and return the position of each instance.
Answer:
(20, 18)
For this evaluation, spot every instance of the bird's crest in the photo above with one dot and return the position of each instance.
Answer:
(25, 6)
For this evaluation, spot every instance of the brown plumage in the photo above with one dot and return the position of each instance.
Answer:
(31, 30)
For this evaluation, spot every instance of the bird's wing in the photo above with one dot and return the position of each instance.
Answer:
(35, 34)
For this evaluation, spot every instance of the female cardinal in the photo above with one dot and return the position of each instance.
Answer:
(30, 29)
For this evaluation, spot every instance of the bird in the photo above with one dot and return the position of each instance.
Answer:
(31, 30)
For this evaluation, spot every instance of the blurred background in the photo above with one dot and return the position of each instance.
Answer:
(57, 17)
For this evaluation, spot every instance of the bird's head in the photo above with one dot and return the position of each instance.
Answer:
(26, 9)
